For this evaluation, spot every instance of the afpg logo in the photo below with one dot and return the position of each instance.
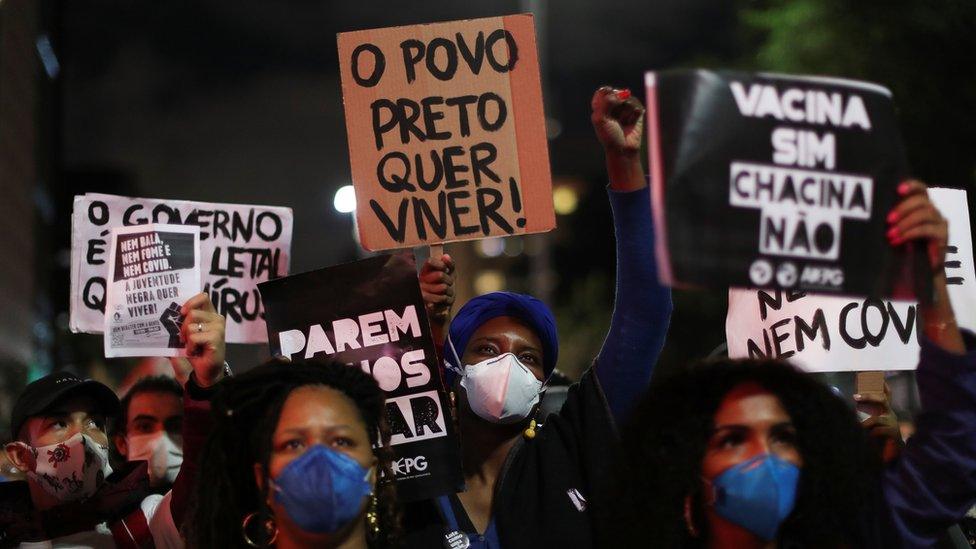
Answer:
(407, 465)
(821, 277)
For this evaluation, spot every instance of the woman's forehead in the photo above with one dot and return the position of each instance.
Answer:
(750, 402)
(507, 327)
(319, 406)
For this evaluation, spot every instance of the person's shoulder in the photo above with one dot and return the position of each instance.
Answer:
(14, 499)
(586, 392)
(124, 490)
(583, 408)
(420, 513)
(17, 518)
(422, 525)
(131, 476)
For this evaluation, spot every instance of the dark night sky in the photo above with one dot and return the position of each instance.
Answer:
(240, 101)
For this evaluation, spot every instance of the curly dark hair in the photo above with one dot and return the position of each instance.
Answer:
(664, 443)
(246, 411)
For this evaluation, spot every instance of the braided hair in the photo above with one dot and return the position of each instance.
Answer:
(246, 411)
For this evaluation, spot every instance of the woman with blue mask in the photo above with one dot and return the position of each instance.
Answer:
(755, 454)
(294, 460)
(526, 484)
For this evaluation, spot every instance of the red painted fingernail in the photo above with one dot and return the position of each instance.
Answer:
(892, 217)
(623, 94)
(903, 188)
(893, 233)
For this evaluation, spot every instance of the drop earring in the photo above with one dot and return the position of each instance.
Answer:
(689, 521)
(372, 518)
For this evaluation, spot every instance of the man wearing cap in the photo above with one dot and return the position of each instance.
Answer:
(72, 497)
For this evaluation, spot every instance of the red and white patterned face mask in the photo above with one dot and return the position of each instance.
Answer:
(71, 470)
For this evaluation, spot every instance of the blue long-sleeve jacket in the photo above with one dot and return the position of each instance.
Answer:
(933, 483)
(642, 306)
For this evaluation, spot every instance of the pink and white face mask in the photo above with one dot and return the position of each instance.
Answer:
(71, 470)
(501, 389)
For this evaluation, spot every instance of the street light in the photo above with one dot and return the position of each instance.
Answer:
(344, 200)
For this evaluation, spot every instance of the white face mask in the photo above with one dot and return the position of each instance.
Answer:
(71, 470)
(163, 455)
(501, 389)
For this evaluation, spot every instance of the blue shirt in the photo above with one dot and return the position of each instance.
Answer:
(448, 505)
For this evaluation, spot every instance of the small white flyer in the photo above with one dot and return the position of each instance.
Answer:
(153, 269)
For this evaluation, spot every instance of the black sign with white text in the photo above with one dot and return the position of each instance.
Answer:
(774, 181)
(370, 314)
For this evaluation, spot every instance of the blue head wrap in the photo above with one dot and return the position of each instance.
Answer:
(486, 307)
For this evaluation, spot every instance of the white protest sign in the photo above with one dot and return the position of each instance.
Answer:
(959, 266)
(240, 246)
(830, 333)
(153, 270)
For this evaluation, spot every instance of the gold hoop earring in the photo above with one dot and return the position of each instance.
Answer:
(689, 521)
(372, 518)
(454, 414)
(269, 530)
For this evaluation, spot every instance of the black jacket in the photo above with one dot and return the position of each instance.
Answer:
(536, 501)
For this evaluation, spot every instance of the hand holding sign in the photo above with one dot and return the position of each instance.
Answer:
(203, 332)
(437, 287)
(916, 218)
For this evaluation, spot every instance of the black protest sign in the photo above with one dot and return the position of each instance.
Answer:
(370, 314)
(775, 181)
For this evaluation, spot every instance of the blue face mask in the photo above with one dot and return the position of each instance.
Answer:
(757, 494)
(322, 490)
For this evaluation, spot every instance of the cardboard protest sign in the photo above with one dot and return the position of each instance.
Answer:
(370, 314)
(240, 246)
(153, 270)
(774, 181)
(446, 131)
(823, 333)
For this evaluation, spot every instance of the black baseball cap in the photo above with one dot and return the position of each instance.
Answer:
(39, 396)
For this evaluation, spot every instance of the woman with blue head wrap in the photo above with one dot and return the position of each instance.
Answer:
(522, 309)
(529, 486)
